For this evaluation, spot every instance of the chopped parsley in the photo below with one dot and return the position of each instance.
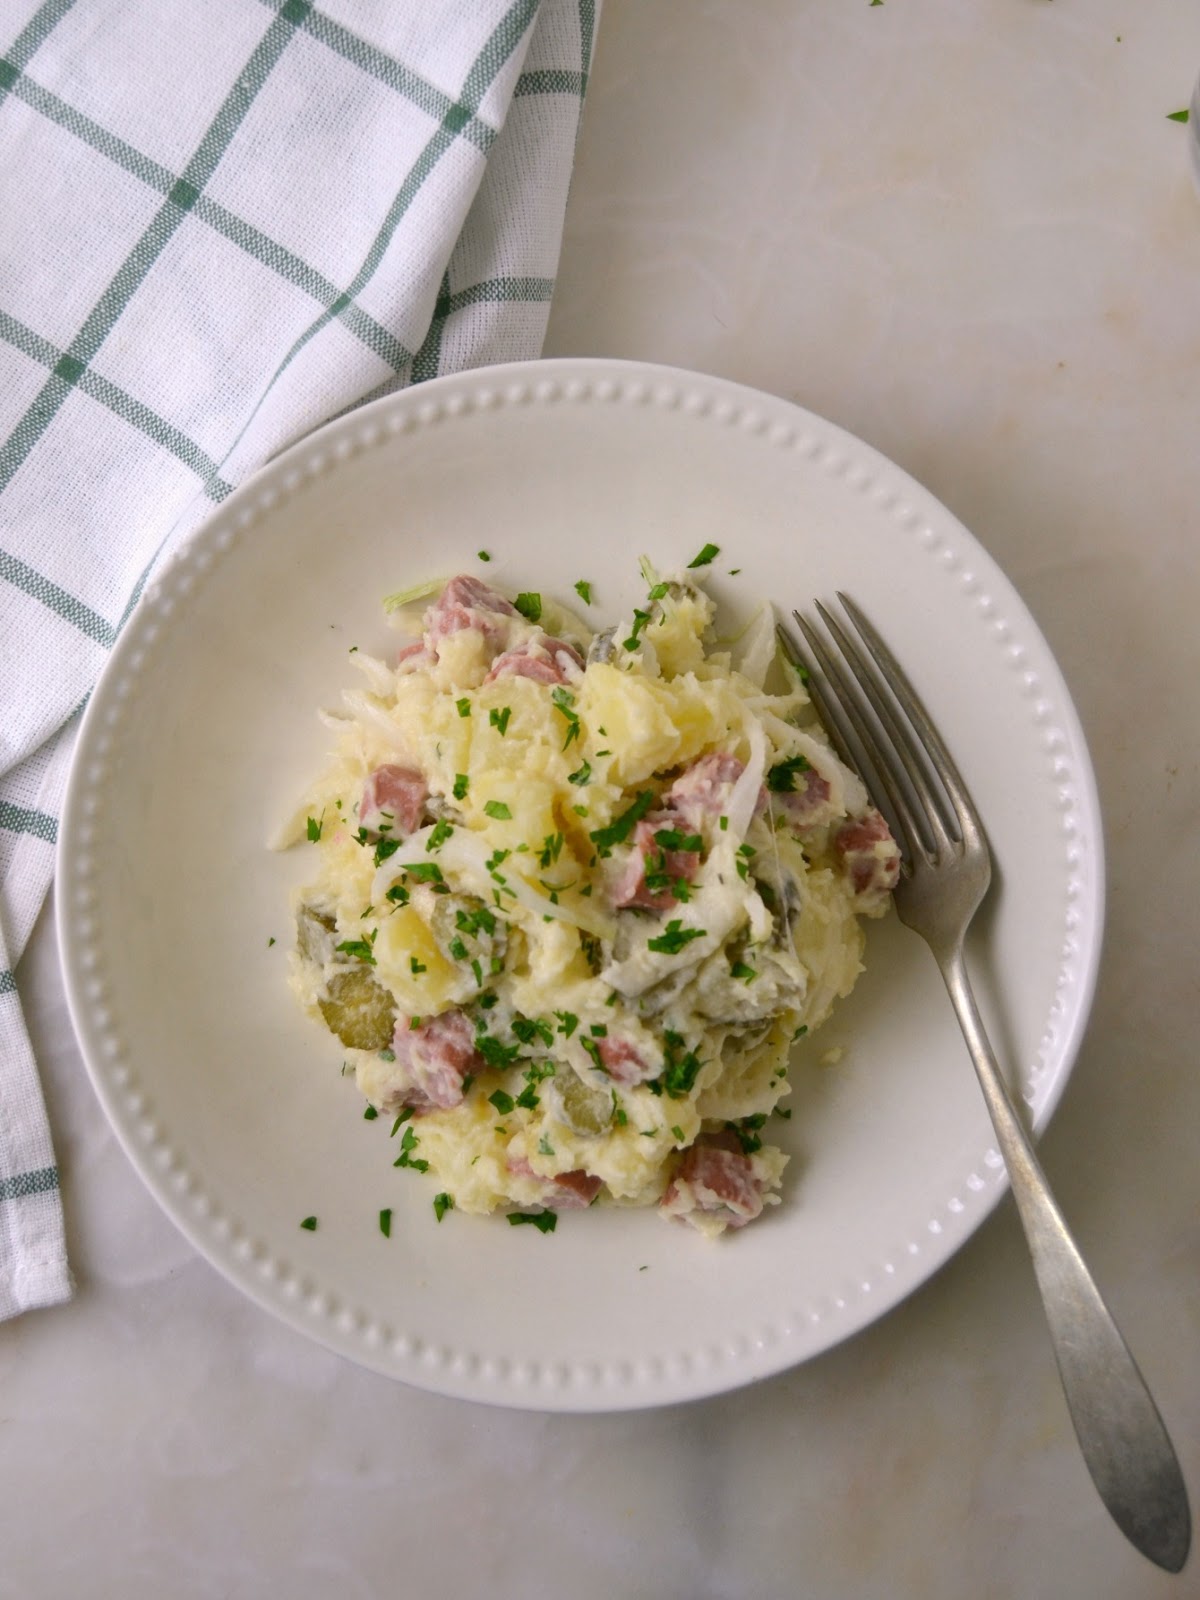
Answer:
(499, 719)
(408, 1144)
(706, 555)
(458, 949)
(551, 849)
(677, 1131)
(397, 894)
(495, 1053)
(428, 872)
(680, 1066)
(545, 1148)
(441, 1204)
(310, 1223)
(502, 1102)
(581, 775)
(564, 701)
(385, 1222)
(567, 1023)
(781, 778)
(370, 1114)
(674, 938)
(527, 1029)
(741, 970)
(1177, 116)
(441, 832)
(461, 784)
(270, 941)
(672, 839)
(464, 707)
(584, 590)
(530, 606)
(483, 555)
(315, 825)
(497, 809)
(640, 619)
(543, 1221)
(384, 849)
(417, 966)
(360, 949)
(621, 827)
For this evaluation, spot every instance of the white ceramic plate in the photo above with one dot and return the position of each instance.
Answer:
(203, 732)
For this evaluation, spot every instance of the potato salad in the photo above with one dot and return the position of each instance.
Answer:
(575, 895)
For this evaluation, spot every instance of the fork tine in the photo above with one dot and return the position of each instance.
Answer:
(829, 711)
(868, 682)
(915, 839)
(910, 703)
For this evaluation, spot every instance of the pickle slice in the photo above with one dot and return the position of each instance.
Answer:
(359, 1011)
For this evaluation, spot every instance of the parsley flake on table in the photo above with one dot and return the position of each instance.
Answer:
(706, 556)
(385, 1222)
(310, 1223)
(441, 1204)
(543, 1221)
(1178, 116)
(584, 590)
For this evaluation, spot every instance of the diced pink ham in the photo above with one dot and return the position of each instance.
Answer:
(567, 1191)
(807, 803)
(623, 1061)
(393, 801)
(715, 1175)
(413, 657)
(868, 854)
(542, 658)
(704, 789)
(466, 602)
(678, 865)
(574, 1191)
(432, 1061)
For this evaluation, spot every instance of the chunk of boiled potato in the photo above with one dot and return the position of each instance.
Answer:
(409, 961)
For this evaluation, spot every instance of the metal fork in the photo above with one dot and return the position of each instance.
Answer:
(945, 874)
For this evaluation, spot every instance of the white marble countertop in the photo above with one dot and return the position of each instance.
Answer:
(968, 235)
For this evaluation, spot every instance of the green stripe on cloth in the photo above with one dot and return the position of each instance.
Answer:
(587, 34)
(530, 291)
(40, 1182)
(20, 819)
(68, 607)
(396, 75)
(43, 22)
(551, 80)
(428, 357)
(121, 404)
(252, 240)
(102, 318)
(507, 33)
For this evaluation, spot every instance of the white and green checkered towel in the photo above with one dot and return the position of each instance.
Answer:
(223, 222)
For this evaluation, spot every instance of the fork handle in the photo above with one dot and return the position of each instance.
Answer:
(1121, 1434)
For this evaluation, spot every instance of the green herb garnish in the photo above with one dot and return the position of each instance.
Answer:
(674, 938)
(310, 1223)
(781, 778)
(706, 555)
(621, 827)
(530, 606)
(441, 1204)
(497, 809)
(461, 784)
(584, 590)
(543, 1221)
(385, 1222)
(314, 827)
(499, 719)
